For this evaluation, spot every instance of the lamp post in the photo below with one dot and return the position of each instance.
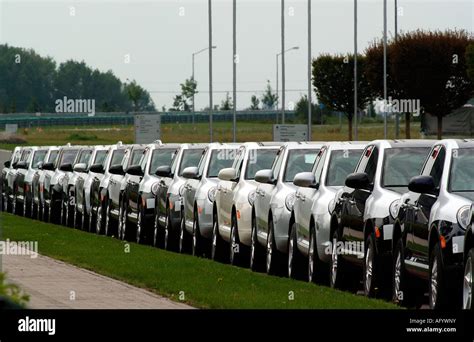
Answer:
(385, 66)
(356, 131)
(210, 70)
(192, 75)
(309, 73)
(283, 80)
(234, 72)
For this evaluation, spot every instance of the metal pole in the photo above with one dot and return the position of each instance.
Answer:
(356, 131)
(309, 73)
(193, 91)
(234, 71)
(283, 61)
(397, 115)
(385, 66)
(210, 70)
(277, 85)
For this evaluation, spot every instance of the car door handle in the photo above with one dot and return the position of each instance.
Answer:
(351, 202)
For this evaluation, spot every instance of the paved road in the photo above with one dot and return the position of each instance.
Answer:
(4, 156)
(53, 284)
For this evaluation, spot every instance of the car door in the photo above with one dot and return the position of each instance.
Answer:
(133, 186)
(226, 192)
(191, 186)
(304, 197)
(354, 205)
(419, 244)
(264, 193)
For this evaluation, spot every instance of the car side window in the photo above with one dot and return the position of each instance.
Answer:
(371, 166)
(277, 164)
(238, 161)
(320, 164)
(202, 163)
(438, 166)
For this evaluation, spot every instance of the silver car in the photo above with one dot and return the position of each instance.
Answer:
(169, 202)
(275, 196)
(309, 237)
(199, 192)
(38, 181)
(7, 169)
(84, 176)
(234, 200)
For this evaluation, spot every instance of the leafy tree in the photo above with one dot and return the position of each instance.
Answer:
(139, 97)
(470, 61)
(301, 110)
(431, 67)
(269, 98)
(333, 80)
(254, 103)
(184, 100)
(226, 104)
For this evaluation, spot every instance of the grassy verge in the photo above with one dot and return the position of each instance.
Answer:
(246, 131)
(204, 283)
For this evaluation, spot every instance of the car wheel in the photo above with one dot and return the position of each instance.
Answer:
(140, 228)
(75, 217)
(256, 250)
(184, 242)
(468, 281)
(272, 255)
(156, 232)
(169, 238)
(437, 290)
(14, 205)
(317, 270)
(234, 246)
(197, 245)
(120, 222)
(295, 259)
(336, 264)
(217, 243)
(369, 275)
(107, 225)
(99, 218)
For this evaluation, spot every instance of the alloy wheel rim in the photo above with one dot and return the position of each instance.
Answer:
(290, 257)
(181, 235)
(120, 223)
(252, 248)
(107, 219)
(232, 245)
(368, 269)
(468, 282)
(139, 226)
(334, 261)
(167, 227)
(397, 276)
(194, 236)
(269, 250)
(99, 220)
(434, 284)
(214, 239)
(310, 260)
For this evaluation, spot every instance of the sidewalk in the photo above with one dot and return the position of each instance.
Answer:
(53, 284)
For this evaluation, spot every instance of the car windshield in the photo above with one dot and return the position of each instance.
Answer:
(220, 159)
(259, 160)
(53, 156)
(85, 157)
(100, 157)
(461, 176)
(117, 157)
(38, 157)
(340, 165)
(161, 157)
(401, 164)
(68, 156)
(191, 157)
(299, 161)
(136, 156)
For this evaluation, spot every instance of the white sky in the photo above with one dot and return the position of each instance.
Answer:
(160, 41)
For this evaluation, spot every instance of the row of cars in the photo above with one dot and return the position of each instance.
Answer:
(393, 218)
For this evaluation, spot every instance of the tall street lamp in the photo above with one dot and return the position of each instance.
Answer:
(192, 76)
(309, 72)
(283, 80)
(210, 70)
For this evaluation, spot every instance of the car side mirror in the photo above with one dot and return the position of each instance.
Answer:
(191, 172)
(135, 170)
(80, 167)
(116, 169)
(22, 165)
(422, 185)
(358, 181)
(265, 177)
(7, 163)
(306, 180)
(228, 174)
(48, 167)
(163, 171)
(66, 168)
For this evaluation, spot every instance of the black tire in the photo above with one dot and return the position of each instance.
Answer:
(317, 270)
(370, 267)
(141, 229)
(235, 247)
(169, 235)
(197, 246)
(121, 222)
(108, 222)
(217, 243)
(156, 242)
(468, 281)
(256, 250)
(184, 245)
(99, 220)
(296, 263)
(341, 274)
(438, 291)
(273, 264)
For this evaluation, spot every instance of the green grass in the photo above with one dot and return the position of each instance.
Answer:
(205, 284)
(176, 133)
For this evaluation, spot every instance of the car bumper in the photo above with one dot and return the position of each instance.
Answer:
(281, 223)
(205, 217)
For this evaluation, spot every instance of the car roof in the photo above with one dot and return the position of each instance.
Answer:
(402, 143)
(345, 145)
(292, 145)
(457, 143)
